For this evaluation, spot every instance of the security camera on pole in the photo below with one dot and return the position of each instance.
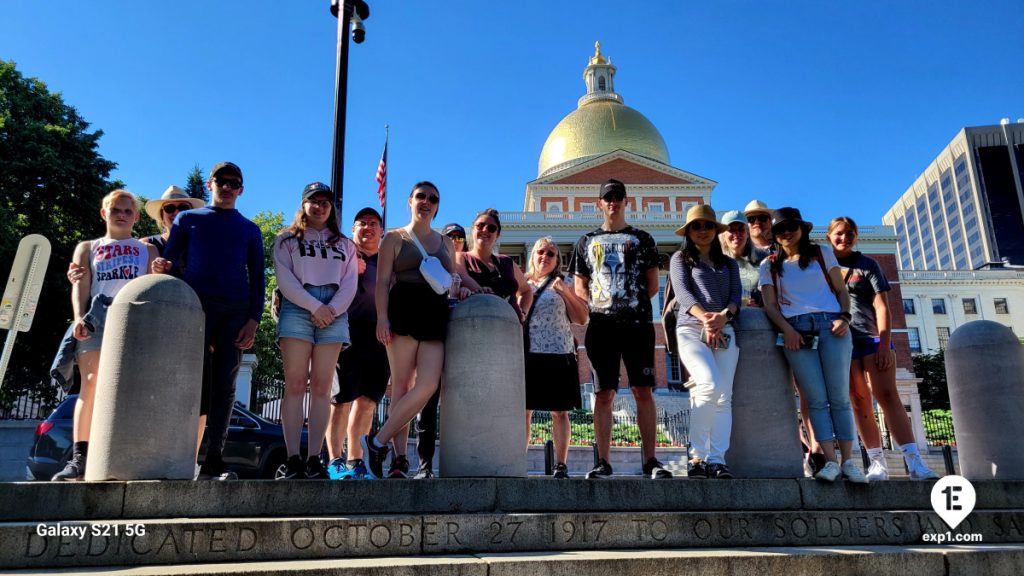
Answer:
(18, 305)
(349, 13)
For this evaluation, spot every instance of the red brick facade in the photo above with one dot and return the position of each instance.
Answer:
(622, 170)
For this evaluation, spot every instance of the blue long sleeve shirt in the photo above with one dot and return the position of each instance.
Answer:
(223, 255)
(712, 289)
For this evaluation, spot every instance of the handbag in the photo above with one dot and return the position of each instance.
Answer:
(437, 277)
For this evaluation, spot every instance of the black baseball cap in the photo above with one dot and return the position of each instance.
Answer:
(226, 167)
(612, 186)
(368, 212)
(453, 227)
(316, 188)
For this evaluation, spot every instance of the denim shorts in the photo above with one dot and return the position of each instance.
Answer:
(297, 322)
(92, 344)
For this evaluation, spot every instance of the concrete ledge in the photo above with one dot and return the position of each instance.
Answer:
(249, 498)
(875, 560)
(190, 540)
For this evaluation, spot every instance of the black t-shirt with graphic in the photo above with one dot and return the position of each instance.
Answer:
(864, 279)
(617, 264)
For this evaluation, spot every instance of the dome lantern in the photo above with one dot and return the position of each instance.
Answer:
(599, 77)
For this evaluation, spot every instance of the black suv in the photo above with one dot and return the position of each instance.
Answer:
(254, 448)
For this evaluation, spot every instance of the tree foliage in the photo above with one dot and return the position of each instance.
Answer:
(931, 369)
(267, 353)
(195, 185)
(52, 179)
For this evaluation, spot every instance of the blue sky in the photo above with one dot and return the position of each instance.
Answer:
(834, 107)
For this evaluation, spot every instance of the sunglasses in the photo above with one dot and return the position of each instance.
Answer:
(233, 183)
(759, 218)
(737, 228)
(786, 227)
(457, 238)
(548, 253)
(318, 203)
(432, 198)
(613, 197)
(486, 226)
(172, 208)
(701, 225)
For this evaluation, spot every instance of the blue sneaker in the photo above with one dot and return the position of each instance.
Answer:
(359, 471)
(336, 469)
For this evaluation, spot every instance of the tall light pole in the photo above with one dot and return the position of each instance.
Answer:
(349, 13)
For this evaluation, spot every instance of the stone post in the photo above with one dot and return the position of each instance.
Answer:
(149, 381)
(243, 382)
(765, 442)
(985, 374)
(483, 399)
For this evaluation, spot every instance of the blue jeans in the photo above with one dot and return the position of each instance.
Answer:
(823, 376)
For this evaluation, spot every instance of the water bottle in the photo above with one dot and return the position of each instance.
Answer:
(453, 292)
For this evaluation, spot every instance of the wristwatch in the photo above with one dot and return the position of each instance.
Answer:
(846, 316)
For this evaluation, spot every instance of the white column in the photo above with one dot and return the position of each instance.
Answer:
(243, 383)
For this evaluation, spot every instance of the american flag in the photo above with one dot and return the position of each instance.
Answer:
(382, 176)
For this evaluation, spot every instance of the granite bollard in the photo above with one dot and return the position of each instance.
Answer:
(985, 374)
(150, 373)
(765, 442)
(483, 400)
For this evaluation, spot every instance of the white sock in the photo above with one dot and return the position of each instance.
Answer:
(909, 450)
(875, 453)
(377, 444)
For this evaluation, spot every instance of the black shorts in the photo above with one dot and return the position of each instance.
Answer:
(363, 368)
(552, 382)
(609, 341)
(416, 310)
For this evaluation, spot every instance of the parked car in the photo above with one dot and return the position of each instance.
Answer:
(254, 448)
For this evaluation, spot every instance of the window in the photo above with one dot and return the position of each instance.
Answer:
(970, 306)
(939, 305)
(1001, 306)
(588, 208)
(554, 207)
(908, 306)
(673, 373)
(915, 339)
(943, 333)
(601, 84)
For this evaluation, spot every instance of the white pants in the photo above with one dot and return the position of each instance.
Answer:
(711, 397)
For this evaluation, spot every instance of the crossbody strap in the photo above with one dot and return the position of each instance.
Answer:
(416, 241)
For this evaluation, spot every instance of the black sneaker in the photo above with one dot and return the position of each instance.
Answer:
(601, 471)
(817, 461)
(655, 470)
(374, 456)
(293, 469)
(220, 473)
(399, 467)
(720, 471)
(315, 469)
(73, 471)
(561, 471)
(697, 469)
(424, 472)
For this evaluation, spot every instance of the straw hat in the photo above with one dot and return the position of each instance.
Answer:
(701, 212)
(172, 194)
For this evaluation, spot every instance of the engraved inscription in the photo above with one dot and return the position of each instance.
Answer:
(579, 531)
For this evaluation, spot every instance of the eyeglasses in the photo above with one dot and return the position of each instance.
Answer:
(701, 225)
(787, 227)
(367, 223)
(486, 226)
(233, 183)
(432, 198)
(318, 203)
(548, 253)
(759, 218)
(613, 197)
(172, 208)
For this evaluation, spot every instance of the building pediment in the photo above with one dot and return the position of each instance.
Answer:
(625, 166)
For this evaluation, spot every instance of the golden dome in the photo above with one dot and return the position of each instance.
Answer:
(599, 127)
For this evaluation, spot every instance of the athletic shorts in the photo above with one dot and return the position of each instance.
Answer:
(867, 346)
(608, 342)
(363, 368)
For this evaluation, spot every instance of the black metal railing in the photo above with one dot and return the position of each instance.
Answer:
(31, 406)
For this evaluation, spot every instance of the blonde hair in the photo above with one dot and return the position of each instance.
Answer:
(115, 195)
(531, 272)
(843, 220)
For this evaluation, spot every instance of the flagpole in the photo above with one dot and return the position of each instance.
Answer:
(384, 208)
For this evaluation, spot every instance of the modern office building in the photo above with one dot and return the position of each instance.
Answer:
(967, 208)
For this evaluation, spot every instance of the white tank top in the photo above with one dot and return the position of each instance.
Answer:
(114, 263)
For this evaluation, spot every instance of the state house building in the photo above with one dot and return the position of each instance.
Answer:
(604, 138)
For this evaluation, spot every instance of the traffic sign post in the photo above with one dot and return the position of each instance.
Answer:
(21, 296)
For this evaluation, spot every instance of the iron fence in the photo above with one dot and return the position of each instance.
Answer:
(31, 406)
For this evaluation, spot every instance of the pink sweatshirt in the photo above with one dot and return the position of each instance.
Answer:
(313, 262)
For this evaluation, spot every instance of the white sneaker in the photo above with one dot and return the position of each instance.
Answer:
(919, 470)
(877, 471)
(829, 473)
(853, 473)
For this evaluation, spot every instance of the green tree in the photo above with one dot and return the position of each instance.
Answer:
(265, 348)
(195, 184)
(52, 179)
(931, 369)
